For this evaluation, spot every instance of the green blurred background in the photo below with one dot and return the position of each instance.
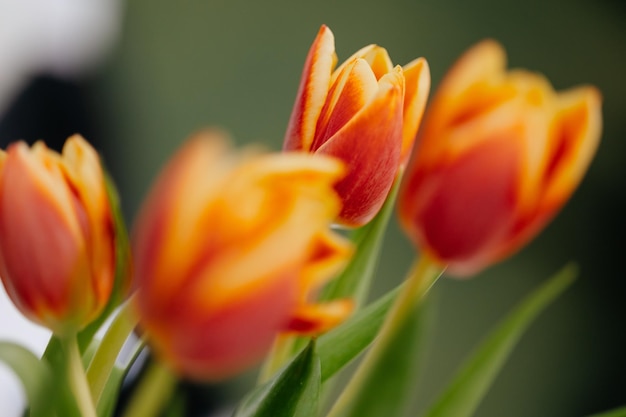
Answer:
(183, 65)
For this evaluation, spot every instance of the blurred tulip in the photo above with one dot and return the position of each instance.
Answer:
(56, 233)
(366, 113)
(499, 154)
(228, 250)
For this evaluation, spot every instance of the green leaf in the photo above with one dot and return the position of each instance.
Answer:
(108, 349)
(355, 281)
(293, 392)
(383, 382)
(35, 376)
(390, 384)
(108, 399)
(344, 343)
(109, 395)
(464, 394)
(617, 412)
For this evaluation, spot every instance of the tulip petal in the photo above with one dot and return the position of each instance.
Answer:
(576, 135)
(353, 89)
(311, 92)
(182, 204)
(175, 203)
(370, 145)
(230, 339)
(40, 240)
(466, 206)
(242, 253)
(378, 59)
(283, 194)
(536, 144)
(361, 53)
(417, 87)
(329, 255)
(475, 87)
(82, 166)
(570, 147)
(376, 56)
(484, 62)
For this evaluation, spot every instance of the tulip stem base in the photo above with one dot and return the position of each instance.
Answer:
(153, 392)
(421, 277)
(77, 378)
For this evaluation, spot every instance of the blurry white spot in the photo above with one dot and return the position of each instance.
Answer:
(62, 37)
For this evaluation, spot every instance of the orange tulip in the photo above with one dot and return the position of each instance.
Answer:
(499, 154)
(366, 113)
(56, 233)
(228, 250)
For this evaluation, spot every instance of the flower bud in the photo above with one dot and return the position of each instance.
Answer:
(499, 154)
(228, 250)
(56, 233)
(366, 113)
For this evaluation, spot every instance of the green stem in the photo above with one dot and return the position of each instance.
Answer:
(420, 279)
(153, 392)
(104, 359)
(77, 378)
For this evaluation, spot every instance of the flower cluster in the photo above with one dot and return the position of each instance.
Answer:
(231, 252)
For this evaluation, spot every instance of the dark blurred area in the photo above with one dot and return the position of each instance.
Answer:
(181, 66)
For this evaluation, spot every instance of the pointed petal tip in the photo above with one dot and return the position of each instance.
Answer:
(485, 60)
(314, 319)
(489, 48)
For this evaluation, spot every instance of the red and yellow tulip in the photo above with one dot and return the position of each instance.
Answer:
(499, 154)
(366, 113)
(228, 250)
(56, 233)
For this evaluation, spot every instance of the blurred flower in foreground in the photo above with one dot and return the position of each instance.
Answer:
(227, 251)
(366, 113)
(500, 152)
(56, 234)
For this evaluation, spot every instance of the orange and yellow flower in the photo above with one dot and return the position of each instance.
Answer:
(499, 154)
(56, 233)
(228, 251)
(366, 113)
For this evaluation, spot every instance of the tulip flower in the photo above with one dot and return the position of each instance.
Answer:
(56, 233)
(366, 113)
(499, 154)
(228, 251)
